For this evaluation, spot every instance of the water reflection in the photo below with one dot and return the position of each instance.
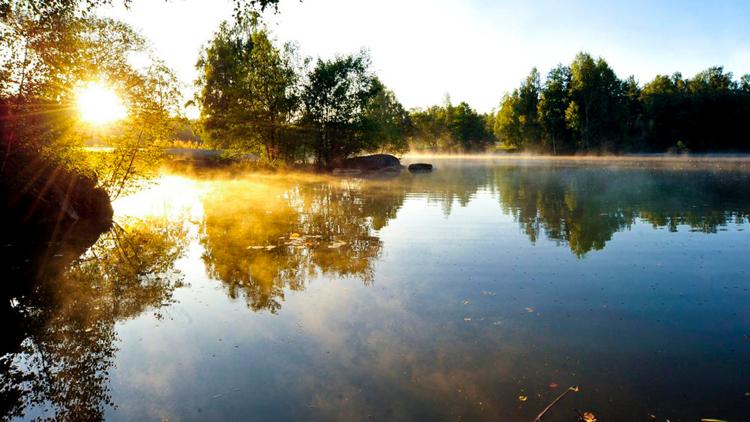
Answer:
(263, 237)
(583, 207)
(434, 336)
(59, 340)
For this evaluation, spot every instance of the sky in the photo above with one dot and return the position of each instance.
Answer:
(473, 50)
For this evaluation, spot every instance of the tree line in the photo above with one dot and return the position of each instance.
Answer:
(585, 107)
(259, 96)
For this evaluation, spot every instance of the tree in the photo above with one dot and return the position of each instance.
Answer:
(467, 128)
(387, 122)
(528, 103)
(508, 126)
(553, 103)
(50, 57)
(248, 90)
(337, 98)
(452, 128)
(597, 106)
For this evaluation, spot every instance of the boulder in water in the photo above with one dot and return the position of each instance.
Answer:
(420, 168)
(375, 162)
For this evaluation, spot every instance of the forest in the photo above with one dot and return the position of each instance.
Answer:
(255, 95)
(585, 107)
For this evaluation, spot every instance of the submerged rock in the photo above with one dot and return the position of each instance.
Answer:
(420, 167)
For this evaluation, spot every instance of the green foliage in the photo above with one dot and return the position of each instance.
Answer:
(253, 99)
(248, 90)
(585, 107)
(387, 122)
(451, 128)
(49, 57)
(553, 104)
(337, 99)
(508, 122)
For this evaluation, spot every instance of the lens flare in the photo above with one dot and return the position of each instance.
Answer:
(99, 104)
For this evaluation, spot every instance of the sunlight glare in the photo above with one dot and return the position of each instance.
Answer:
(99, 104)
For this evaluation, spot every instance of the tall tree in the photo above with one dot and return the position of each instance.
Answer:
(597, 103)
(508, 125)
(248, 89)
(528, 96)
(336, 100)
(552, 105)
(387, 122)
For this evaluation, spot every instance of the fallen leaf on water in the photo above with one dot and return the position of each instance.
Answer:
(467, 319)
(588, 417)
(466, 301)
(522, 398)
(712, 420)
(337, 244)
(294, 235)
(529, 309)
(552, 385)
(575, 388)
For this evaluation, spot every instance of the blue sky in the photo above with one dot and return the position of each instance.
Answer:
(475, 50)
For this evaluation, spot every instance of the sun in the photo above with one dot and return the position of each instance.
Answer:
(99, 104)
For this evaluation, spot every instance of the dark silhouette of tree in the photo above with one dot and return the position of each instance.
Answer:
(585, 107)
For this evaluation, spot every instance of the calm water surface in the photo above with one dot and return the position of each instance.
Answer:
(480, 291)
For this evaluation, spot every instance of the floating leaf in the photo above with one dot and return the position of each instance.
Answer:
(294, 235)
(522, 398)
(588, 417)
(529, 310)
(552, 385)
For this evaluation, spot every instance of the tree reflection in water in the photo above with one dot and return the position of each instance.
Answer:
(263, 237)
(60, 339)
(582, 207)
(267, 234)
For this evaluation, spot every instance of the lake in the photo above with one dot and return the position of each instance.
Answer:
(480, 291)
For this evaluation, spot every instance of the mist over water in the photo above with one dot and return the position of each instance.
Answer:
(423, 296)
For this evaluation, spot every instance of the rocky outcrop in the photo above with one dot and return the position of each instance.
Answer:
(42, 201)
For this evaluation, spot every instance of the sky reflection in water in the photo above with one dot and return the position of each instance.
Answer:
(432, 296)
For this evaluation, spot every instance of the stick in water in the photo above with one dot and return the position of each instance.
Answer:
(549, 406)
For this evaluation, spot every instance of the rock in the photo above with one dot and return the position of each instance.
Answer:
(420, 167)
(375, 162)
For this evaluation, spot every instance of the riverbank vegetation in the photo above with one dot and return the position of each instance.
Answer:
(585, 107)
(264, 98)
